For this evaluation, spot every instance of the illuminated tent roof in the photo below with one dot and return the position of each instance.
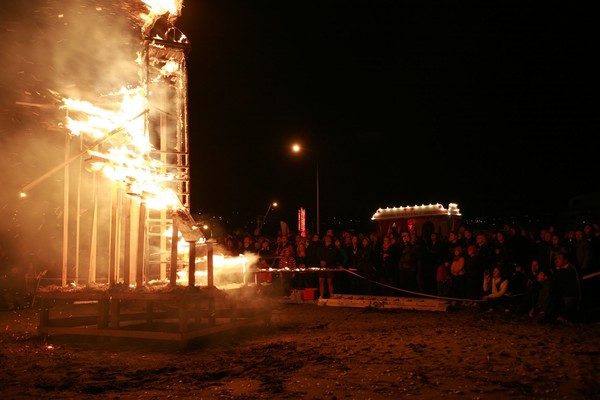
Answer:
(431, 210)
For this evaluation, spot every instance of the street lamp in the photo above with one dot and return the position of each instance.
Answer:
(271, 205)
(296, 148)
(207, 227)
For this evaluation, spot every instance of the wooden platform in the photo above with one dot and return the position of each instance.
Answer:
(384, 302)
(176, 316)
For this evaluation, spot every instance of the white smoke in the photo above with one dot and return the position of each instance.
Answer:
(69, 48)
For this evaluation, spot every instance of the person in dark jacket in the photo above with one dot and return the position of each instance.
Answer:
(567, 286)
(387, 265)
(329, 258)
(365, 266)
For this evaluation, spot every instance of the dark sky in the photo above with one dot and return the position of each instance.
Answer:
(492, 107)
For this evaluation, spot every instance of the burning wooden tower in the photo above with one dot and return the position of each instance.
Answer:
(126, 167)
(126, 214)
(165, 80)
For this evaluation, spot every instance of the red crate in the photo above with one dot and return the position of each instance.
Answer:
(309, 293)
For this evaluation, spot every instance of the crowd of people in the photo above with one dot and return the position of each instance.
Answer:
(540, 273)
(550, 275)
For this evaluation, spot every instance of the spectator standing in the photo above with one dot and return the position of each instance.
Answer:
(524, 247)
(365, 267)
(247, 246)
(556, 247)
(312, 260)
(568, 289)
(427, 229)
(544, 249)
(282, 242)
(595, 248)
(342, 282)
(582, 252)
(230, 248)
(329, 258)
(286, 264)
(444, 279)
(451, 243)
(532, 285)
(467, 238)
(473, 274)
(517, 281)
(457, 268)
(312, 252)
(433, 257)
(387, 263)
(266, 253)
(503, 252)
(353, 249)
(485, 252)
(299, 278)
(406, 277)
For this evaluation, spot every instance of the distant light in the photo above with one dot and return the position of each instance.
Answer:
(22, 195)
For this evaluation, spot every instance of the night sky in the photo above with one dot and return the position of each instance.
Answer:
(492, 107)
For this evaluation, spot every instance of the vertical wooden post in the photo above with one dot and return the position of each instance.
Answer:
(78, 215)
(112, 258)
(127, 244)
(139, 273)
(174, 242)
(115, 313)
(119, 234)
(66, 206)
(192, 265)
(210, 281)
(103, 312)
(94, 235)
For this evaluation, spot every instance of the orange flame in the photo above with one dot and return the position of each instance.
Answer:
(128, 161)
(161, 7)
(158, 8)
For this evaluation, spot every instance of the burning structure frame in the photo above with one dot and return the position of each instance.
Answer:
(143, 241)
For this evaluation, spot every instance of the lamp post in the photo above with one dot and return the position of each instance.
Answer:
(296, 148)
(271, 205)
(207, 227)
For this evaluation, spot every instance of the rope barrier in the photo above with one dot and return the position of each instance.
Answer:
(415, 293)
(591, 275)
(442, 297)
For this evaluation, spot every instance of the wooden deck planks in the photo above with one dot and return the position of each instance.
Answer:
(384, 302)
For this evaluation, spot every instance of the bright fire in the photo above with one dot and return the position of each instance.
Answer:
(158, 8)
(125, 158)
(229, 272)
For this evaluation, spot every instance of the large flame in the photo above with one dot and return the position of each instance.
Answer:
(156, 8)
(126, 161)
(159, 8)
(229, 272)
(125, 158)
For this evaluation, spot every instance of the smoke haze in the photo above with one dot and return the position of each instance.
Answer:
(52, 49)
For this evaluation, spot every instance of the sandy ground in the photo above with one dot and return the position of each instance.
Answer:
(313, 352)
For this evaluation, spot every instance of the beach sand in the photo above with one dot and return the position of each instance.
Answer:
(314, 352)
